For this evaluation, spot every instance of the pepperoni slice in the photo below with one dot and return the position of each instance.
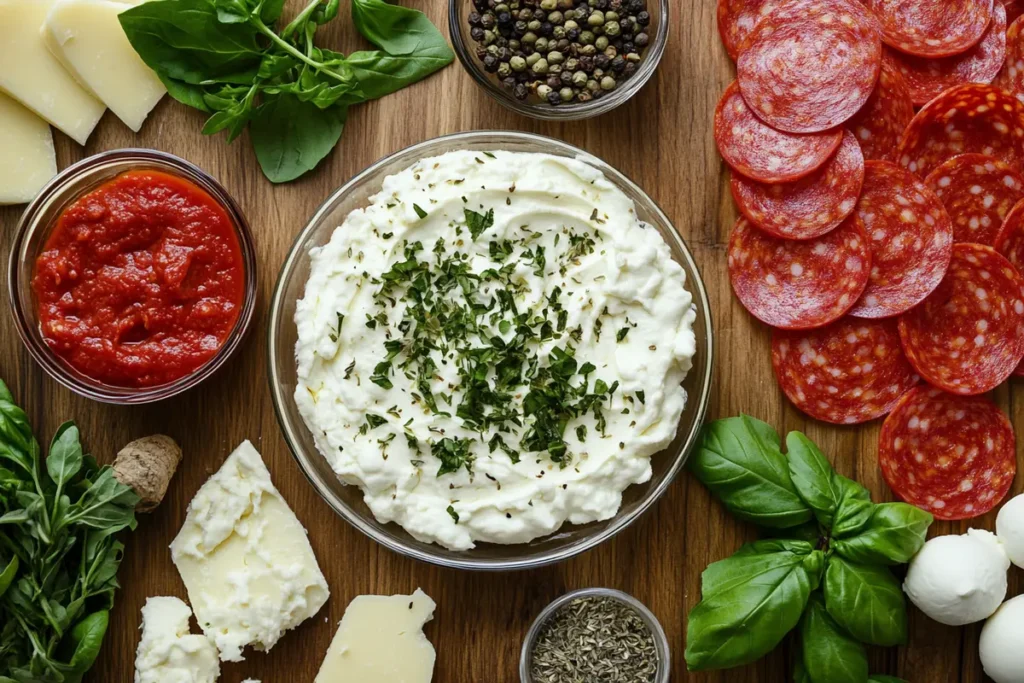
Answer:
(978, 192)
(932, 28)
(810, 207)
(967, 337)
(968, 118)
(950, 455)
(762, 153)
(849, 372)
(1010, 243)
(927, 77)
(798, 285)
(737, 18)
(1011, 78)
(1014, 8)
(911, 240)
(808, 67)
(880, 123)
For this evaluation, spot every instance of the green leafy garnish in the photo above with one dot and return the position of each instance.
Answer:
(453, 514)
(478, 222)
(419, 211)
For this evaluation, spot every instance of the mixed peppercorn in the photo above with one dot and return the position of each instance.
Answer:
(560, 51)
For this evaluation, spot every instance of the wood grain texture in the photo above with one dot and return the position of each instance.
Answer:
(663, 140)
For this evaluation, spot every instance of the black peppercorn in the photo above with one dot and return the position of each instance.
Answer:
(477, 34)
(474, 18)
(509, 83)
(642, 40)
(504, 19)
(522, 91)
(618, 64)
(554, 82)
(602, 61)
(629, 70)
(554, 98)
(491, 63)
(519, 28)
(586, 63)
(643, 18)
(565, 78)
(626, 48)
(547, 29)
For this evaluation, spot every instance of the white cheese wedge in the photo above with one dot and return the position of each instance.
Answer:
(245, 559)
(168, 652)
(34, 77)
(87, 38)
(380, 640)
(26, 151)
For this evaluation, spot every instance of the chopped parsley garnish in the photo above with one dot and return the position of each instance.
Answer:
(621, 334)
(478, 222)
(337, 331)
(375, 421)
(454, 454)
(640, 397)
(453, 514)
(419, 211)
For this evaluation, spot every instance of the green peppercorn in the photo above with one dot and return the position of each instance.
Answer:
(514, 45)
(548, 5)
(518, 63)
(555, 57)
(570, 25)
(504, 70)
(556, 18)
(593, 86)
(580, 78)
(543, 91)
(588, 50)
(558, 32)
(612, 29)
(541, 67)
(567, 94)
(500, 8)
(596, 19)
(584, 96)
(611, 15)
(534, 25)
(587, 37)
(529, 38)
(533, 59)
(601, 43)
(489, 37)
(632, 57)
(607, 83)
(572, 64)
(542, 44)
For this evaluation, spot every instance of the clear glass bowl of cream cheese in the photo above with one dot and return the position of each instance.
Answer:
(286, 376)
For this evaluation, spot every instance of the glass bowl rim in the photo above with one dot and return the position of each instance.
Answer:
(29, 224)
(563, 112)
(616, 524)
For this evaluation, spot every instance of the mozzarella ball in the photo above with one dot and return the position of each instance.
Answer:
(1002, 643)
(958, 580)
(1010, 529)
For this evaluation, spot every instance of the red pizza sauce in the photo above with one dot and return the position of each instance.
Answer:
(141, 281)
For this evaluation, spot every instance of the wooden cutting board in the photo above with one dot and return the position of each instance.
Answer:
(663, 140)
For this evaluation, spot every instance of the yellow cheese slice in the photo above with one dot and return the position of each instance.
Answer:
(27, 160)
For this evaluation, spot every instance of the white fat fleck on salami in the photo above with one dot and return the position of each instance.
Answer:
(967, 337)
(978, 192)
(1011, 77)
(953, 456)
(737, 18)
(932, 28)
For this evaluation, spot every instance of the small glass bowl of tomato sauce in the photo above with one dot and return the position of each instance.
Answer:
(132, 277)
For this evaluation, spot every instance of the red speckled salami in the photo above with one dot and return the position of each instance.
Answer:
(927, 77)
(762, 153)
(808, 67)
(849, 372)
(1014, 8)
(880, 123)
(978, 192)
(932, 28)
(809, 207)
(967, 337)
(1011, 77)
(1010, 243)
(737, 18)
(969, 118)
(950, 455)
(911, 240)
(798, 285)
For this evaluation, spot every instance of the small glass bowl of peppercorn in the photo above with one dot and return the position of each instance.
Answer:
(560, 60)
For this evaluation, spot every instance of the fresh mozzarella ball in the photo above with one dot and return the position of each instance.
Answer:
(959, 580)
(1010, 529)
(1002, 643)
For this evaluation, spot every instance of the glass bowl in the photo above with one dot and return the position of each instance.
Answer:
(347, 501)
(661, 643)
(34, 228)
(465, 48)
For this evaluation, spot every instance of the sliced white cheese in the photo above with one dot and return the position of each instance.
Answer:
(34, 77)
(381, 639)
(26, 151)
(249, 569)
(167, 651)
(87, 38)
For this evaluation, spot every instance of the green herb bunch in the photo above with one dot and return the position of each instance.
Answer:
(825, 570)
(227, 58)
(58, 555)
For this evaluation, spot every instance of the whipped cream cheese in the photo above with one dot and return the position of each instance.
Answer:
(493, 347)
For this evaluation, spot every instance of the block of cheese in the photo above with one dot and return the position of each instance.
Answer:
(381, 639)
(87, 38)
(26, 151)
(246, 561)
(167, 651)
(34, 77)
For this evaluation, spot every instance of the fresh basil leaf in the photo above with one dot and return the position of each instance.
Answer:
(396, 30)
(10, 571)
(230, 114)
(867, 601)
(800, 674)
(878, 678)
(186, 41)
(380, 74)
(893, 535)
(748, 563)
(830, 654)
(107, 504)
(812, 475)
(65, 457)
(291, 137)
(270, 11)
(743, 620)
(233, 11)
(189, 94)
(86, 638)
(855, 508)
(809, 533)
(327, 11)
(740, 460)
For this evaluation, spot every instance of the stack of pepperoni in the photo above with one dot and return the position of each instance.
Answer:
(886, 246)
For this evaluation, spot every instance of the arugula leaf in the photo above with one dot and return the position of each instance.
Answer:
(867, 601)
(893, 535)
(813, 477)
(291, 137)
(740, 460)
(855, 508)
(397, 30)
(742, 620)
(830, 655)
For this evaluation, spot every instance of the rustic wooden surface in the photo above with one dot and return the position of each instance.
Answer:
(663, 140)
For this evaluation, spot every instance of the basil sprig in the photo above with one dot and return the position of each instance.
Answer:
(228, 59)
(826, 571)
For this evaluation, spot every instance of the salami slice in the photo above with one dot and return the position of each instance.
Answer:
(935, 28)
(978, 192)
(811, 206)
(1010, 243)
(1014, 8)
(969, 118)
(798, 285)
(737, 18)
(1011, 78)
(762, 153)
(967, 337)
(927, 77)
(849, 372)
(880, 123)
(810, 70)
(911, 240)
(950, 455)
